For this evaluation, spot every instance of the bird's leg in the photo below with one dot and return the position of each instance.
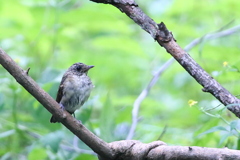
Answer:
(75, 118)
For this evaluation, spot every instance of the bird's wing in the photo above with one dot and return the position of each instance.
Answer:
(60, 89)
(59, 93)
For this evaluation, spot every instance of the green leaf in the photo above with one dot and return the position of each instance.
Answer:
(214, 129)
(85, 156)
(48, 75)
(1, 101)
(53, 140)
(85, 114)
(224, 137)
(37, 154)
(234, 124)
(238, 144)
(7, 133)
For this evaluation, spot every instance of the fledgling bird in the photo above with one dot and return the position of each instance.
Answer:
(74, 89)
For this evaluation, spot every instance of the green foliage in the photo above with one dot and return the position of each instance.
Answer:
(37, 154)
(49, 36)
(107, 125)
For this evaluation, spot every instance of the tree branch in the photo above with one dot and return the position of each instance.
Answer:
(165, 39)
(96, 144)
(118, 150)
(144, 93)
(133, 149)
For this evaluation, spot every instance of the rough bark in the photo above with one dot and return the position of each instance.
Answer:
(135, 150)
(75, 126)
(165, 39)
(119, 150)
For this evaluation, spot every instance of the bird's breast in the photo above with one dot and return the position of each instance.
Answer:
(76, 91)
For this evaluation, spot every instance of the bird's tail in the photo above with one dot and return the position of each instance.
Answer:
(53, 119)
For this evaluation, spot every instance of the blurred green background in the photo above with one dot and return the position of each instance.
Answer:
(50, 35)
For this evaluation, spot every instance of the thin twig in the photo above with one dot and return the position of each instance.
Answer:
(144, 93)
(27, 71)
(78, 150)
(163, 132)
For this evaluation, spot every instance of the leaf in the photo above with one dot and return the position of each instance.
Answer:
(238, 144)
(85, 114)
(48, 75)
(37, 154)
(234, 68)
(1, 101)
(7, 133)
(224, 137)
(234, 124)
(53, 140)
(85, 156)
(214, 129)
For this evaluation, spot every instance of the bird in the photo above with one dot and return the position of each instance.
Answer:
(74, 89)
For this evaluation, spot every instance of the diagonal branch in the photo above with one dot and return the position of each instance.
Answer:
(96, 144)
(132, 149)
(144, 93)
(165, 39)
(117, 150)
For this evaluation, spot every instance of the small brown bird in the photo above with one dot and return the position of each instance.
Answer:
(74, 88)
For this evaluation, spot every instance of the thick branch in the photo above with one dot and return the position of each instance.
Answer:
(134, 149)
(130, 149)
(160, 33)
(118, 150)
(99, 146)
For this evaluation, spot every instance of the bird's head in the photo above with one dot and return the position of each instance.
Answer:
(80, 68)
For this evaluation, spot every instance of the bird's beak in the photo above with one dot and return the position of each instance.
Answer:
(89, 67)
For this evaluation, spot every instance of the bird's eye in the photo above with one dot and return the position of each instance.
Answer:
(79, 68)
